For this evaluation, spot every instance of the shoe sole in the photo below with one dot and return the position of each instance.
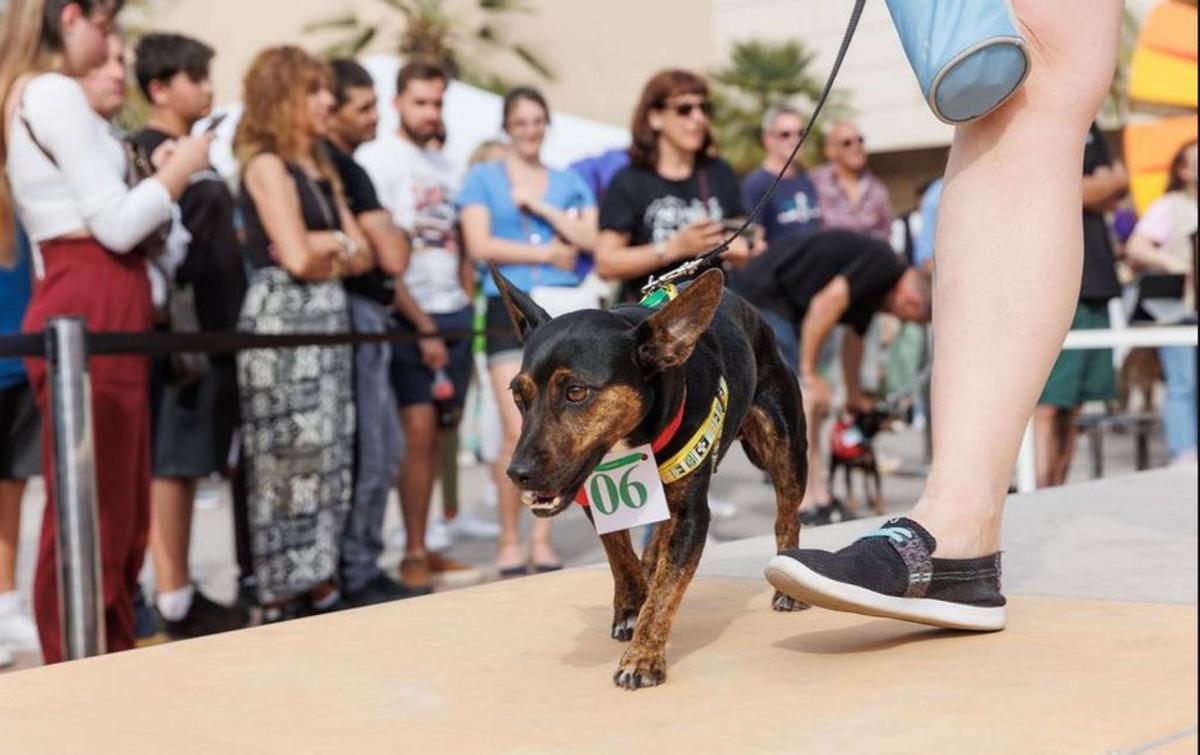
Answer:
(457, 578)
(796, 580)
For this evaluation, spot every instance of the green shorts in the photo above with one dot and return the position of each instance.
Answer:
(1082, 375)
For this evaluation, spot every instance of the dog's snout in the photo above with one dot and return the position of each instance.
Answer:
(521, 472)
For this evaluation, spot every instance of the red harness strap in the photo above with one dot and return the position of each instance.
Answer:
(657, 445)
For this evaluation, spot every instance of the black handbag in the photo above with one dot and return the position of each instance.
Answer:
(179, 313)
(1155, 286)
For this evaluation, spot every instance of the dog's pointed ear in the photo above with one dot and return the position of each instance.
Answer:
(667, 337)
(522, 310)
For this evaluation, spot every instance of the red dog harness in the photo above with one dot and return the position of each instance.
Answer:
(846, 441)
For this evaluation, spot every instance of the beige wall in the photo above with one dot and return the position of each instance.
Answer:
(602, 52)
(880, 85)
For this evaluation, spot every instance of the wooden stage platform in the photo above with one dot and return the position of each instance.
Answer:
(525, 667)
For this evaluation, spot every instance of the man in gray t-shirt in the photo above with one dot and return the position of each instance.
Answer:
(417, 186)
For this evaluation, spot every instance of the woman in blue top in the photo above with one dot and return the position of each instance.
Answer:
(532, 221)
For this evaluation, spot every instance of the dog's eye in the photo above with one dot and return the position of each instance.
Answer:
(577, 393)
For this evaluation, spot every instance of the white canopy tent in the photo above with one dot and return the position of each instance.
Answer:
(472, 115)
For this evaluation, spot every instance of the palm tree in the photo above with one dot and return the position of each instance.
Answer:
(430, 32)
(761, 75)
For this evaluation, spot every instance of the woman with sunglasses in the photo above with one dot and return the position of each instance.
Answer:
(668, 205)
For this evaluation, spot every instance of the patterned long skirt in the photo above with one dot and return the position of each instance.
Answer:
(297, 433)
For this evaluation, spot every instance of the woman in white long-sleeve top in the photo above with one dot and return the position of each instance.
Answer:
(65, 178)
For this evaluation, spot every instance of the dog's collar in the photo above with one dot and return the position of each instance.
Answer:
(672, 427)
(689, 458)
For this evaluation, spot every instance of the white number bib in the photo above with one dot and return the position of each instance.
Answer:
(625, 491)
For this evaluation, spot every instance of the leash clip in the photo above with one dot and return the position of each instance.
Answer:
(683, 271)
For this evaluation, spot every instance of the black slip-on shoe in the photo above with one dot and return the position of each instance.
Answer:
(891, 573)
(382, 589)
(205, 617)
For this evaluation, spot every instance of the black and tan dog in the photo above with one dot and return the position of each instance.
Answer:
(593, 380)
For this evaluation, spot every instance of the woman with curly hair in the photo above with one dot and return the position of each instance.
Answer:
(297, 406)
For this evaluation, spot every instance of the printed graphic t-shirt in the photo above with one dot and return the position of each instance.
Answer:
(793, 210)
(418, 188)
(651, 208)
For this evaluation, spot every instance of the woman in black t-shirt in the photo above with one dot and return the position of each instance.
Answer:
(668, 204)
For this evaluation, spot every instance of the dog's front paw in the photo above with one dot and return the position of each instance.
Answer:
(783, 602)
(640, 668)
(622, 626)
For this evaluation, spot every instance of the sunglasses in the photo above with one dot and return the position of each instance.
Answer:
(787, 135)
(855, 141)
(685, 109)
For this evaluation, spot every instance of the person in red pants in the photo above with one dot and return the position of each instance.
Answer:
(65, 178)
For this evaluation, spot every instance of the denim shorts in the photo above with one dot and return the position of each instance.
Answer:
(412, 380)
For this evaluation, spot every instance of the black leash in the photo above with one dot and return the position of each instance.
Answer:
(708, 259)
(154, 343)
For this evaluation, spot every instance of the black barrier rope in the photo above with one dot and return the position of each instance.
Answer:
(154, 343)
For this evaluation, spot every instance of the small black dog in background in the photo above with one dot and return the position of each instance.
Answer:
(851, 448)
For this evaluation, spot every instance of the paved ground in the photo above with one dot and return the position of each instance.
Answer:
(738, 482)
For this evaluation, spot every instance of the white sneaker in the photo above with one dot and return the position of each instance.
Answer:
(18, 631)
(398, 537)
(6, 658)
(438, 537)
(720, 509)
(471, 527)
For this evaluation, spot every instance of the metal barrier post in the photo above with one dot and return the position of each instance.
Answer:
(80, 590)
(1027, 462)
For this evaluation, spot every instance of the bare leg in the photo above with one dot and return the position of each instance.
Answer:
(1045, 431)
(417, 473)
(817, 490)
(992, 355)
(11, 492)
(171, 502)
(509, 546)
(1068, 434)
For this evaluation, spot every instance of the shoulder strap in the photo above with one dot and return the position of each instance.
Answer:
(29, 130)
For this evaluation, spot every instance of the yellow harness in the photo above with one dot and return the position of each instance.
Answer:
(707, 437)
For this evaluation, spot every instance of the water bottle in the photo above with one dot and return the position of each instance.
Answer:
(443, 387)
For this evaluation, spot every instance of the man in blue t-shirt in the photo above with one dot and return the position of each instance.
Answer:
(793, 210)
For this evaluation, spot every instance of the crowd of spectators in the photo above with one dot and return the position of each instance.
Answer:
(334, 228)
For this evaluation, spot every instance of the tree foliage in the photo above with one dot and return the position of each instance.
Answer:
(758, 76)
(429, 31)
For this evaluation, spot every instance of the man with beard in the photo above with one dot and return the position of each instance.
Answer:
(418, 185)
